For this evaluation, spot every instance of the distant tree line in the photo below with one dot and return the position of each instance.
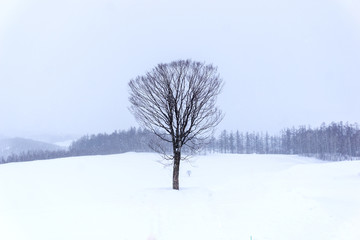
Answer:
(131, 140)
(336, 141)
(36, 155)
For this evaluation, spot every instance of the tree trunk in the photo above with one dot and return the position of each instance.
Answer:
(176, 169)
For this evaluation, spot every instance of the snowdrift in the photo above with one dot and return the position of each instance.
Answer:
(128, 196)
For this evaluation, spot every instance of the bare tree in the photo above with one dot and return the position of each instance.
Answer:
(176, 101)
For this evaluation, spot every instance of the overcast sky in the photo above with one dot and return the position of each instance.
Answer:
(65, 65)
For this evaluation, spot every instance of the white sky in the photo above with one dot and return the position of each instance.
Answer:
(65, 65)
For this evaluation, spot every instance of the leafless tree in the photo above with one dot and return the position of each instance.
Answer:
(176, 101)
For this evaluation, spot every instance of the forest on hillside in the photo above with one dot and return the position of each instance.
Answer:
(334, 142)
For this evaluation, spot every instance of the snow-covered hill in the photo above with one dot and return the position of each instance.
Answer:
(128, 196)
(10, 146)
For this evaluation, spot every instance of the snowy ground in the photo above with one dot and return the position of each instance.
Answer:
(229, 197)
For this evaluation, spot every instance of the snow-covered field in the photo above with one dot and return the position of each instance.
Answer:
(229, 197)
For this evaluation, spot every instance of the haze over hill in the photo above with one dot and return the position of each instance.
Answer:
(9, 146)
